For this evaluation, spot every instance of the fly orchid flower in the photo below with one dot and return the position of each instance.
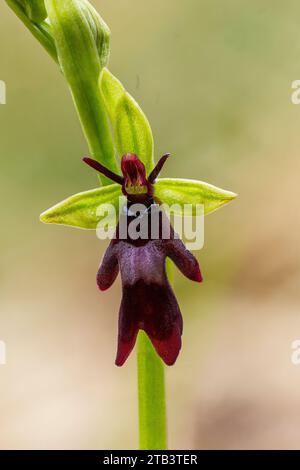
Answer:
(148, 301)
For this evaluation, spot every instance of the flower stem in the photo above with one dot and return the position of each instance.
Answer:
(41, 31)
(151, 391)
(80, 62)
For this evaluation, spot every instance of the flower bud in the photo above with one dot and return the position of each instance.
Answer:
(82, 38)
(99, 30)
(35, 10)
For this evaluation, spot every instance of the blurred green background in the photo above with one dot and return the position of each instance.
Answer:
(214, 78)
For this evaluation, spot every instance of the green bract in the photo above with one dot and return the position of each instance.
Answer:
(112, 91)
(131, 128)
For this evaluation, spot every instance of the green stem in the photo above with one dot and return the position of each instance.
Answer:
(151, 391)
(81, 65)
(70, 42)
(41, 31)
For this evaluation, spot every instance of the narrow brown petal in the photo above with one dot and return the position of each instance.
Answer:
(109, 268)
(103, 170)
(184, 259)
(155, 172)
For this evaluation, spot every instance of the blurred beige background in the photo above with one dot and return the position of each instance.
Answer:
(214, 78)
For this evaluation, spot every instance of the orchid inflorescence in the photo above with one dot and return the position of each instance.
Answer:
(117, 130)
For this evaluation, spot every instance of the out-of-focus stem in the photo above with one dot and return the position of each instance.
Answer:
(41, 31)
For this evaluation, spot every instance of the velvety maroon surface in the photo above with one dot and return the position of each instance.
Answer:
(148, 301)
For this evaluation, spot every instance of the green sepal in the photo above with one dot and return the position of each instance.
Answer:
(177, 191)
(80, 210)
